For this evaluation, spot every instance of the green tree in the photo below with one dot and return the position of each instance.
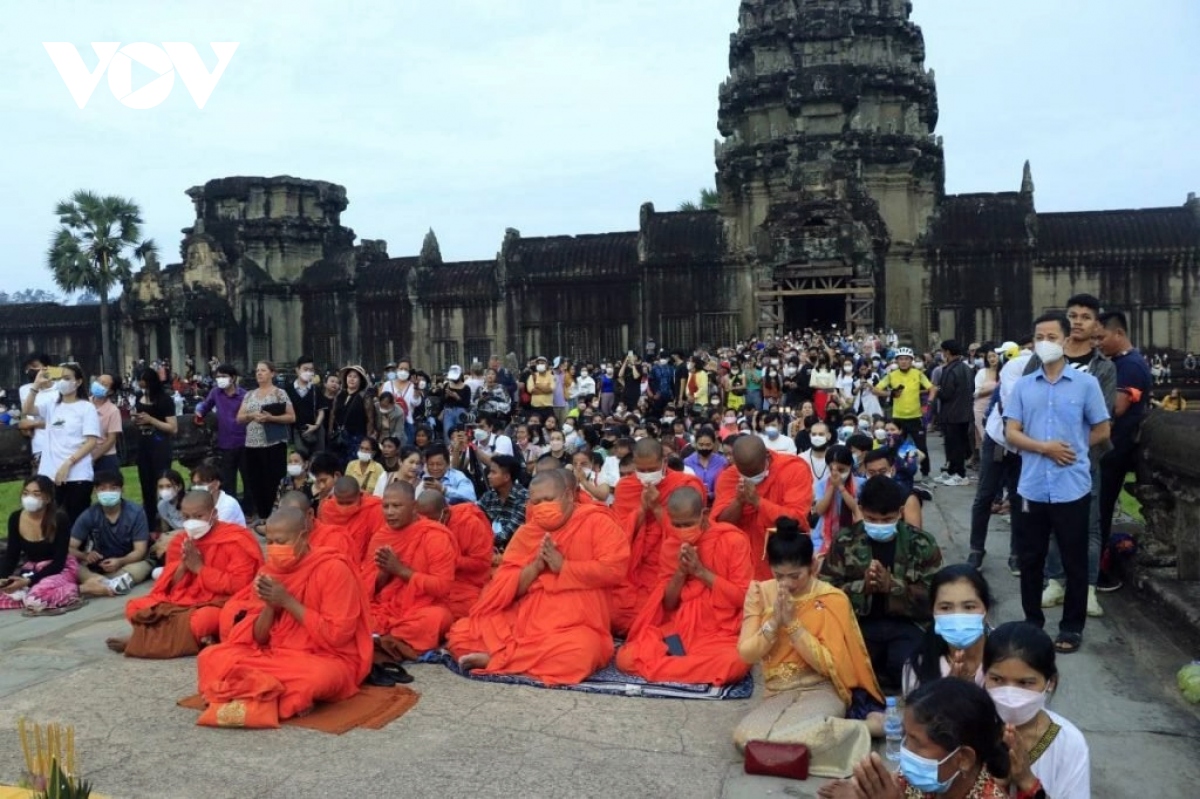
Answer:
(709, 201)
(94, 248)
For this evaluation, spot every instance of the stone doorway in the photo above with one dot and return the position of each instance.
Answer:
(814, 299)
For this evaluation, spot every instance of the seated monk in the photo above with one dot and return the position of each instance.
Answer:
(697, 602)
(550, 463)
(203, 569)
(408, 576)
(303, 637)
(762, 487)
(476, 544)
(359, 514)
(545, 612)
(319, 536)
(640, 510)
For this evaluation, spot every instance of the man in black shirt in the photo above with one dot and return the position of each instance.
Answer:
(310, 405)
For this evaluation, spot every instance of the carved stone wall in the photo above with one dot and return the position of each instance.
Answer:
(1169, 489)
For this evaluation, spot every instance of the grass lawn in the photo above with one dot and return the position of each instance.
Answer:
(10, 492)
(1130, 506)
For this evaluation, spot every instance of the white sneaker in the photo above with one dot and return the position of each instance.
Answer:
(158, 570)
(958, 481)
(1094, 610)
(1054, 594)
(945, 479)
(121, 584)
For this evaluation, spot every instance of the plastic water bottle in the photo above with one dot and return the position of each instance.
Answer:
(893, 730)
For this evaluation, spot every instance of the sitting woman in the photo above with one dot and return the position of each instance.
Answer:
(37, 572)
(835, 495)
(1048, 752)
(953, 747)
(805, 634)
(953, 645)
(408, 470)
(170, 497)
(365, 469)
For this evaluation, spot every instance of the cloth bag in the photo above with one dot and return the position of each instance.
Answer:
(775, 759)
(822, 378)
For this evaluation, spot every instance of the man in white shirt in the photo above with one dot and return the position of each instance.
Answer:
(399, 383)
(818, 435)
(206, 477)
(490, 440)
(772, 435)
(33, 366)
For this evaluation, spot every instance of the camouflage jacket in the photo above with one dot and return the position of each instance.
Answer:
(918, 558)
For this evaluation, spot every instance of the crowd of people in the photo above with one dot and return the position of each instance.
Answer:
(708, 511)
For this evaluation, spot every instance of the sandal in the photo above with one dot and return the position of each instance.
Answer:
(380, 678)
(397, 673)
(1066, 643)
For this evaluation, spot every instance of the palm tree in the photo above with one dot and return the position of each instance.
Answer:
(92, 250)
(709, 200)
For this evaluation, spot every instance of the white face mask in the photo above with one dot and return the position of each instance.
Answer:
(402, 375)
(364, 457)
(583, 374)
(881, 435)
(568, 430)
(453, 375)
(167, 494)
(422, 385)
(196, 528)
(222, 383)
(818, 442)
(307, 376)
(541, 367)
(295, 470)
(1017, 706)
(1048, 351)
(650, 478)
(758, 478)
(65, 387)
(32, 504)
(391, 375)
(918, 364)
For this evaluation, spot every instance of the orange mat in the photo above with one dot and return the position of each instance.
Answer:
(372, 708)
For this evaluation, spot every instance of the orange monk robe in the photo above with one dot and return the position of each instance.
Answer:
(324, 658)
(232, 557)
(646, 541)
(339, 539)
(559, 631)
(476, 543)
(413, 610)
(707, 620)
(360, 521)
(787, 491)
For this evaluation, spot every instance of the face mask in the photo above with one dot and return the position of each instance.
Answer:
(295, 470)
(689, 534)
(650, 478)
(108, 499)
(730, 420)
(32, 504)
(364, 457)
(608, 372)
(848, 368)
(556, 446)
(818, 442)
(99, 391)
(789, 371)
(922, 772)
(894, 439)
(391, 375)
(401, 375)
(864, 424)
(422, 385)
(758, 478)
(1048, 351)
(960, 630)
(453, 375)
(281, 556)
(880, 532)
(65, 387)
(222, 383)
(919, 364)
(583, 373)
(201, 487)
(167, 494)
(307, 376)
(881, 435)
(196, 528)
(772, 432)
(1017, 706)
(568, 430)
(547, 515)
(705, 451)
(541, 367)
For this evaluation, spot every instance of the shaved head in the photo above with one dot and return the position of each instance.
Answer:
(686, 502)
(431, 505)
(405, 490)
(549, 462)
(551, 483)
(295, 500)
(398, 504)
(197, 502)
(287, 523)
(750, 455)
(648, 449)
(346, 491)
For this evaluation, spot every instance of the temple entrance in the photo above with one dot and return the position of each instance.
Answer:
(817, 311)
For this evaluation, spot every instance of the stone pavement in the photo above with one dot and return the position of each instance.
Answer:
(466, 738)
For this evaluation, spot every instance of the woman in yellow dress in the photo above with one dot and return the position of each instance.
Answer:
(804, 633)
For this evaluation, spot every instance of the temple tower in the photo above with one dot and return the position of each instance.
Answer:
(829, 170)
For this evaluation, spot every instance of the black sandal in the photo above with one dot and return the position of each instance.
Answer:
(1066, 643)
(380, 678)
(395, 672)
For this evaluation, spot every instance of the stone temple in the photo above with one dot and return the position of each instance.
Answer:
(832, 211)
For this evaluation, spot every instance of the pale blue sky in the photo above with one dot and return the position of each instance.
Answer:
(556, 117)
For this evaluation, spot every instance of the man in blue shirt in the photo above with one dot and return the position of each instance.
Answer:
(439, 476)
(1132, 399)
(1055, 416)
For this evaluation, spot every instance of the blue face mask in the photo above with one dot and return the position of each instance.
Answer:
(99, 391)
(960, 630)
(880, 532)
(922, 772)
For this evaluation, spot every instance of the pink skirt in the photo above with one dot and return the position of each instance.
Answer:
(54, 591)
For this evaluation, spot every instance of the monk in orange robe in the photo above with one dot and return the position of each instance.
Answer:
(304, 636)
(703, 576)
(476, 543)
(640, 508)
(359, 515)
(407, 577)
(761, 487)
(207, 565)
(545, 613)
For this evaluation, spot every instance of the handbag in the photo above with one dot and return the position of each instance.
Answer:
(275, 432)
(822, 378)
(771, 759)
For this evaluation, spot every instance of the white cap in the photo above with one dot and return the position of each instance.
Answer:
(1006, 348)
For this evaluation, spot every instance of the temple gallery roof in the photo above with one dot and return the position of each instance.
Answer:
(574, 257)
(464, 280)
(690, 235)
(23, 316)
(1141, 229)
(975, 221)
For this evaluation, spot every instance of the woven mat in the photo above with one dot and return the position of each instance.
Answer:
(372, 708)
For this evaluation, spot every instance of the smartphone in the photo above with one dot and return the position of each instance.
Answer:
(54, 372)
(674, 646)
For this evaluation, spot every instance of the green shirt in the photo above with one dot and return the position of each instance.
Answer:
(918, 558)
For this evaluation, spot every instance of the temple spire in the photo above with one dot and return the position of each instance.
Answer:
(1027, 181)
